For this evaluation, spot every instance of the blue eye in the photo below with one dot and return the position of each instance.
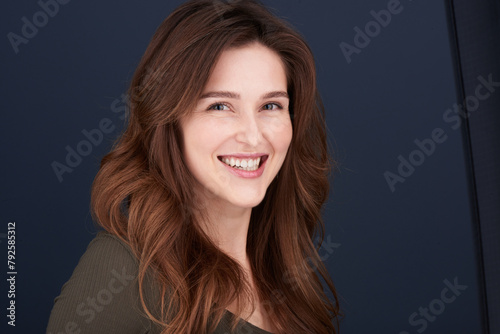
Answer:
(272, 106)
(218, 107)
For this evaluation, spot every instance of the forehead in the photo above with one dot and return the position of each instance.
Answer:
(249, 67)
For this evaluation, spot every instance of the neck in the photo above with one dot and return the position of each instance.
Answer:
(228, 229)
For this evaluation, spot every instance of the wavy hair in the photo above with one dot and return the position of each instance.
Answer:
(143, 192)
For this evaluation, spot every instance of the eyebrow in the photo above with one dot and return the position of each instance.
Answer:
(232, 95)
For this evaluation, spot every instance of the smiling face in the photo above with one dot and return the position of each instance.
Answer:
(236, 139)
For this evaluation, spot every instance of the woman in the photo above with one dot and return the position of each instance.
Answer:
(212, 195)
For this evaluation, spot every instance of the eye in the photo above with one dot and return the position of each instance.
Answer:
(219, 107)
(272, 106)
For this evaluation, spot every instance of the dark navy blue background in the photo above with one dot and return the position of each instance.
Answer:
(389, 251)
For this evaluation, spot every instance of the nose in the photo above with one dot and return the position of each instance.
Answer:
(250, 130)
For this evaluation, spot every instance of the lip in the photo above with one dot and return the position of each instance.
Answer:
(243, 155)
(245, 173)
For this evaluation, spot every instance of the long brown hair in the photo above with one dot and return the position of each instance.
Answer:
(143, 192)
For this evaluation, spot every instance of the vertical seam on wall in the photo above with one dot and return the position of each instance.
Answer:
(460, 87)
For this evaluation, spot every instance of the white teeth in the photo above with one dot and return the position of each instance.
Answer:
(244, 164)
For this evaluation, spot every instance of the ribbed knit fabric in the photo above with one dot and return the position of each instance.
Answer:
(102, 295)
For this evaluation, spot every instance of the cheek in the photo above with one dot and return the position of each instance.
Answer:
(201, 138)
(191, 147)
(196, 131)
(280, 134)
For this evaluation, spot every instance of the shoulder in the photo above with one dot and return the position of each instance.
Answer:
(108, 263)
(102, 294)
(107, 251)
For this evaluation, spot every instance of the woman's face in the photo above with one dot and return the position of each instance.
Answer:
(236, 139)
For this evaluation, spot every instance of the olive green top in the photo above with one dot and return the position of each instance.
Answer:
(102, 295)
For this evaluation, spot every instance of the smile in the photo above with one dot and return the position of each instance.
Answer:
(246, 164)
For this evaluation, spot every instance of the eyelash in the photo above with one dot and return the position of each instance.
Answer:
(212, 106)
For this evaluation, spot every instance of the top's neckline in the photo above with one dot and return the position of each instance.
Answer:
(256, 330)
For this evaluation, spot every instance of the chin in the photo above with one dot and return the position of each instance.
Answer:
(249, 203)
